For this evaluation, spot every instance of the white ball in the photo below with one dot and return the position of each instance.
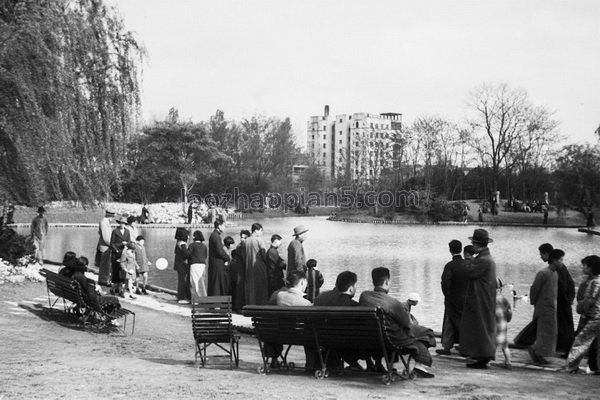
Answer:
(162, 263)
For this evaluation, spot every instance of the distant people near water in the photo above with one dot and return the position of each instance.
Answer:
(583, 308)
(132, 227)
(564, 303)
(182, 267)
(218, 279)
(454, 287)
(465, 214)
(10, 213)
(143, 265)
(590, 309)
(296, 256)
(399, 321)
(39, 232)
(145, 215)
(342, 294)
(237, 273)
(503, 317)
(545, 211)
(480, 215)
(197, 256)
(118, 241)
(256, 284)
(129, 266)
(542, 295)
(275, 266)
(103, 249)
(478, 323)
(315, 280)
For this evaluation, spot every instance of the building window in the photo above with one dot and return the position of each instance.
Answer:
(357, 124)
(324, 145)
(371, 125)
(340, 141)
(341, 120)
(324, 155)
(341, 133)
(350, 117)
(313, 137)
(324, 137)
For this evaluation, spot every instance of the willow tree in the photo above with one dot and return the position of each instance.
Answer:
(69, 99)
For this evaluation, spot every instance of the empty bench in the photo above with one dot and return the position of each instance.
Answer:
(91, 310)
(330, 330)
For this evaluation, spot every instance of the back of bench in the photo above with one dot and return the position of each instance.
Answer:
(61, 286)
(332, 327)
(211, 319)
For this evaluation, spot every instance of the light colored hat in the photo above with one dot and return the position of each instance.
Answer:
(414, 297)
(299, 230)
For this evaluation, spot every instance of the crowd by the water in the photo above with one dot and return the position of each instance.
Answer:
(476, 311)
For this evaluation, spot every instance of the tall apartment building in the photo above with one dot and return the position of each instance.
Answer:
(359, 145)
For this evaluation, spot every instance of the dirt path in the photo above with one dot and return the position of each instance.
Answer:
(47, 355)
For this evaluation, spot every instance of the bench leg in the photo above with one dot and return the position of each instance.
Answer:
(265, 367)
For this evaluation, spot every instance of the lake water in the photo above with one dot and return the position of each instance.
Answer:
(416, 254)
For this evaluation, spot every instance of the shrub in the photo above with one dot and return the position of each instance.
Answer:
(14, 246)
(442, 210)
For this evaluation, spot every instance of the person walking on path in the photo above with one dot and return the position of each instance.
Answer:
(591, 310)
(181, 266)
(296, 257)
(454, 287)
(39, 231)
(197, 255)
(103, 261)
(542, 296)
(256, 283)
(275, 266)
(564, 303)
(218, 279)
(478, 323)
(118, 240)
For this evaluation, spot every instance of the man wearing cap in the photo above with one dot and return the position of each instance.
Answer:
(478, 323)
(454, 287)
(39, 230)
(296, 257)
(102, 259)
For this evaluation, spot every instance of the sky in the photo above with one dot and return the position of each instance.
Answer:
(290, 58)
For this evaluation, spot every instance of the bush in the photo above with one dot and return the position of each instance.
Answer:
(443, 210)
(14, 246)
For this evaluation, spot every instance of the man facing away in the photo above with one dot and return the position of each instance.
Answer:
(342, 293)
(103, 249)
(454, 287)
(39, 231)
(296, 257)
(478, 323)
(399, 318)
(218, 277)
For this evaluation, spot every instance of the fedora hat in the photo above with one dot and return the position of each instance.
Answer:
(41, 209)
(109, 213)
(299, 230)
(481, 236)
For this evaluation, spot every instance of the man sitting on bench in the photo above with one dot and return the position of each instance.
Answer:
(400, 324)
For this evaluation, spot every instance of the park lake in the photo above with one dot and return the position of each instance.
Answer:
(415, 254)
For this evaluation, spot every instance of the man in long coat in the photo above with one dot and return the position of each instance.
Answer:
(218, 276)
(454, 287)
(103, 249)
(296, 257)
(542, 296)
(256, 282)
(478, 323)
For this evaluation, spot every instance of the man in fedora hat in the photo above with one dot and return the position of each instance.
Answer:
(478, 323)
(39, 231)
(102, 259)
(296, 257)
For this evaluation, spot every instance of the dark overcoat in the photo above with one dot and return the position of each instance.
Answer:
(543, 297)
(478, 323)
(454, 287)
(218, 276)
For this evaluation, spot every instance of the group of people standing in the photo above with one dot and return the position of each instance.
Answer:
(249, 272)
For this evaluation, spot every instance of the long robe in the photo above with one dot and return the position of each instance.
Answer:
(275, 270)
(543, 297)
(256, 282)
(218, 276)
(478, 323)
(454, 286)
(236, 277)
(564, 310)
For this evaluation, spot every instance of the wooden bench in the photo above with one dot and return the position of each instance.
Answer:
(211, 324)
(329, 329)
(91, 310)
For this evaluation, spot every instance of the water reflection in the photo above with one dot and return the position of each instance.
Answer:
(416, 254)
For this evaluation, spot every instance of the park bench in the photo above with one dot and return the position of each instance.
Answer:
(91, 310)
(211, 324)
(331, 330)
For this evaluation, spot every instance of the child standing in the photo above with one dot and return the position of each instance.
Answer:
(275, 266)
(503, 317)
(315, 280)
(128, 267)
(143, 265)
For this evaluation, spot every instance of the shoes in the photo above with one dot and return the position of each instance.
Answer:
(137, 291)
(477, 365)
(132, 296)
(377, 368)
(422, 373)
(354, 366)
(536, 358)
(506, 366)
(443, 352)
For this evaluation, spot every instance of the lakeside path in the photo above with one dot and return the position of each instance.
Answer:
(47, 355)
